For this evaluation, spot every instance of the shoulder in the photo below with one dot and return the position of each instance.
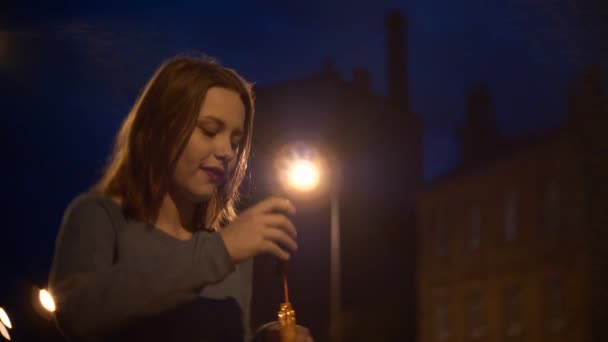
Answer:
(90, 207)
(87, 201)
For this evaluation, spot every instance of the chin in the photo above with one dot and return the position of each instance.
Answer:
(202, 194)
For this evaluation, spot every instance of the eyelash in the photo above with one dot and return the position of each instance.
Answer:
(208, 133)
(211, 134)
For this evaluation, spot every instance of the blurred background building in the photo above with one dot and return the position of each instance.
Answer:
(512, 242)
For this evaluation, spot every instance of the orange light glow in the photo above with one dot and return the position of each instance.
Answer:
(4, 332)
(4, 319)
(303, 175)
(46, 300)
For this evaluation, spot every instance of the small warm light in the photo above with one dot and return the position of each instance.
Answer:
(47, 301)
(4, 319)
(303, 175)
(4, 332)
(301, 171)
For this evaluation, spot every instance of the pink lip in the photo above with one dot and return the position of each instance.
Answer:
(216, 175)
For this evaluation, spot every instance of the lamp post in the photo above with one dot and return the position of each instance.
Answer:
(334, 256)
(302, 169)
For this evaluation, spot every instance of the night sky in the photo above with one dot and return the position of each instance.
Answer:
(70, 73)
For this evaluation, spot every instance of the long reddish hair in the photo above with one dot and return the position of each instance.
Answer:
(156, 131)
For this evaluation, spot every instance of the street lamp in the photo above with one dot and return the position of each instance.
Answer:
(301, 168)
(303, 175)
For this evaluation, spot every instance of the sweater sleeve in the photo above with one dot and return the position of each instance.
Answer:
(95, 294)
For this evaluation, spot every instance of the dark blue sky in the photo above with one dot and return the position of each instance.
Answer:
(527, 50)
(70, 72)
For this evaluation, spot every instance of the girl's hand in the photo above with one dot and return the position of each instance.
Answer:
(263, 228)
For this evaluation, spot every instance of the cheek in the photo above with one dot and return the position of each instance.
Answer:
(188, 162)
(182, 170)
(195, 151)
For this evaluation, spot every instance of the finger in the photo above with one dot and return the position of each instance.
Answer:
(283, 222)
(275, 204)
(277, 235)
(274, 249)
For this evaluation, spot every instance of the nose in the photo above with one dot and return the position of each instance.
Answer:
(224, 151)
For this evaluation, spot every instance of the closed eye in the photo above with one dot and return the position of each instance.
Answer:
(208, 132)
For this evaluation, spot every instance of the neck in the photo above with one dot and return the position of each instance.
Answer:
(177, 216)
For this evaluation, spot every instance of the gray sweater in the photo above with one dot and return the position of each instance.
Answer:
(114, 278)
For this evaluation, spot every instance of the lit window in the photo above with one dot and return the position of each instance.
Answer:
(442, 331)
(511, 216)
(475, 317)
(475, 236)
(551, 210)
(513, 311)
(554, 306)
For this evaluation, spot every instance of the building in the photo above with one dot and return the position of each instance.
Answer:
(512, 244)
(377, 142)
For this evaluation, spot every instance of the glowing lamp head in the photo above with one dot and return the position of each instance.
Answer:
(46, 300)
(303, 175)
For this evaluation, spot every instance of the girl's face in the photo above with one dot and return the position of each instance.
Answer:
(209, 157)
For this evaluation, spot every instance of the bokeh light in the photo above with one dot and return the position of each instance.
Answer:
(47, 301)
(4, 319)
(4, 332)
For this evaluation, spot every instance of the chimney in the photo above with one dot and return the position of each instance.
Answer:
(479, 135)
(398, 89)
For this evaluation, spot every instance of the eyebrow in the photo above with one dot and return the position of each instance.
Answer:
(238, 131)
